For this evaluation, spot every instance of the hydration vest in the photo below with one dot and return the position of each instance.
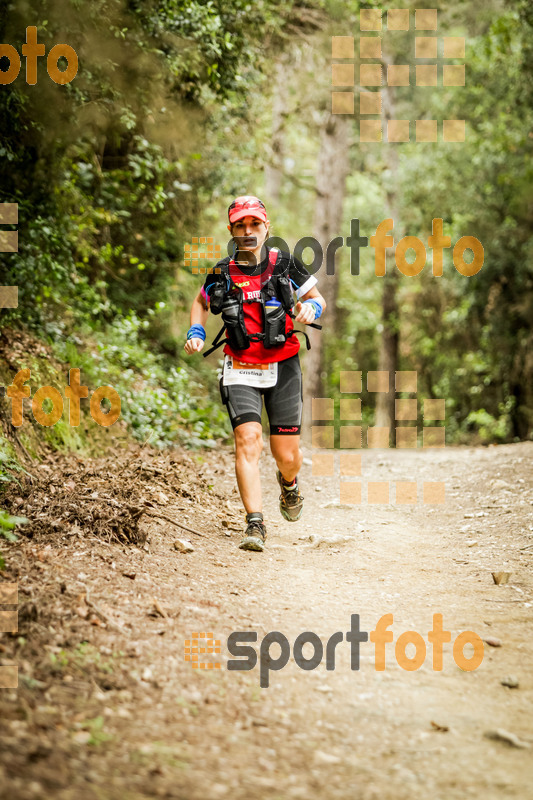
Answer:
(276, 298)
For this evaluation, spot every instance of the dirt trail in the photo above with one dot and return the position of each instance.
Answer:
(108, 715)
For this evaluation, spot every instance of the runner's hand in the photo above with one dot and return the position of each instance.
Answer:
(304, 313)
(193, 345)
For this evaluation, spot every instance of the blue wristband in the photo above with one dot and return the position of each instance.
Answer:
(196, 332)
(317, 306)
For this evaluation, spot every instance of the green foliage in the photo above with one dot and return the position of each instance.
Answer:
(159, 400)
(170, 114)
(474, 335)
(488, 427)
(206, 42)
(7, 525)
(8, 465)
(8, 462)
(95, 727)
(469, 339)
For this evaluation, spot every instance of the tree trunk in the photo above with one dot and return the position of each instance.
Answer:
(274, 168)
(389, 343)
(332, 169)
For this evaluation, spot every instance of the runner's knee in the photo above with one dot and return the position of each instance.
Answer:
(288, 458)
(248, 443)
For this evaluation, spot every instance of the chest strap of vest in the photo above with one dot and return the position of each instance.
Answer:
(294, 332)
(258, 337)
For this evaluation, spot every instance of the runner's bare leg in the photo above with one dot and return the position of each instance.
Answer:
(248, 446)
(287, 454)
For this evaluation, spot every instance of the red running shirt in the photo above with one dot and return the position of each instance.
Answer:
(251, 285)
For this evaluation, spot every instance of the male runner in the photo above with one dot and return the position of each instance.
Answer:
(252, 370)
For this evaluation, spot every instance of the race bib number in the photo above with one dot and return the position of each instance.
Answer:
(261, 376)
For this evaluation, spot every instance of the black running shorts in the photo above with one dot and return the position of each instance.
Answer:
(283, 402)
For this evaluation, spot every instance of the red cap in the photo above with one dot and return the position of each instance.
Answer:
(246, 206)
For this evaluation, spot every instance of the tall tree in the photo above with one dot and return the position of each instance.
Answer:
(389, 341)
(332, 169)
(274, 166)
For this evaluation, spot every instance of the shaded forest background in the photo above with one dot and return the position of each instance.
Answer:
(179, 106)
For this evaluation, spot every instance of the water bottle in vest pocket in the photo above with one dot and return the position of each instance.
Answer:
(285, 292)
(275, 320)
(233, 317)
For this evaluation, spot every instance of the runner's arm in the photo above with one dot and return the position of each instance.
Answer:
(305, 312)
(199, 314)
(305, 286)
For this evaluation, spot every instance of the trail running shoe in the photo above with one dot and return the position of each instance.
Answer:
(255, 535)
(291, 502)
